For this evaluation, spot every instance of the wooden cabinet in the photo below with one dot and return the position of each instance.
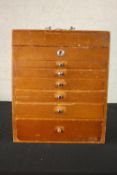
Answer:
(60, 81)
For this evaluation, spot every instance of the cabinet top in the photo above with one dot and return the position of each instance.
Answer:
(61, 38)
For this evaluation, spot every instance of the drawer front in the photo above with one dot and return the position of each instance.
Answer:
(58, 131)
(57, 84)
(83, 64)
(60, 96)
(61, 53)
(53, 73)
(61, 38)
(54, 111)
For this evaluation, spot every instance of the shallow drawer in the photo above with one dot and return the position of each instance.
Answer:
(82, 64)
(56, 84)
(53, 73)
(61, 37)
(61, 53)
(58, 131)
(60, 96)
(54, 111)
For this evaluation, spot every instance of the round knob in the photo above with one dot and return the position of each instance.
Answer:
(60, 52)
(59, 84)
(60, 64)
(59, 110)
(59, 129)
(60, 73)
(59, 97)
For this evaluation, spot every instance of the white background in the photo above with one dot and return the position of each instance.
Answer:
(38, 14)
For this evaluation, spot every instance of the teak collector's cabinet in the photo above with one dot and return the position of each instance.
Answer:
(60, 80)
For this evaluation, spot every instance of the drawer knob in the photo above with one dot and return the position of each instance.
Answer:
(60, 64)
(59, 84)
(59, 129)
(60, 52)
(59, 110)
(59, 97)
(60, 73)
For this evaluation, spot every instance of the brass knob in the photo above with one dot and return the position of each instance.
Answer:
(59, 97)
(59, 84)
(60, 52)
(60, 73)
(59, 129)
(60, 64)
(59, 110)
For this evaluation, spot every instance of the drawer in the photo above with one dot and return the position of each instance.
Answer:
(61, 37)
(65, 73)
(57, 84)
(60, 96)
(83, 64)
(61, 53)
(58, 131)
(59, 111)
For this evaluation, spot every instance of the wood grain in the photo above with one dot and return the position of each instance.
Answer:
(49, 110)
(54, 73)
(82, 64)
(79, 116)
(46, 131)
(67, 96)
(51, 84)
(61, 38)
(71, 53)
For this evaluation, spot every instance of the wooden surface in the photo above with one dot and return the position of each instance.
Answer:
(67, 74)
(51, 84)
(45, 130)
(80, 115)
(70, 111)
(67, 96)
(72, 53)
(61, 38)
